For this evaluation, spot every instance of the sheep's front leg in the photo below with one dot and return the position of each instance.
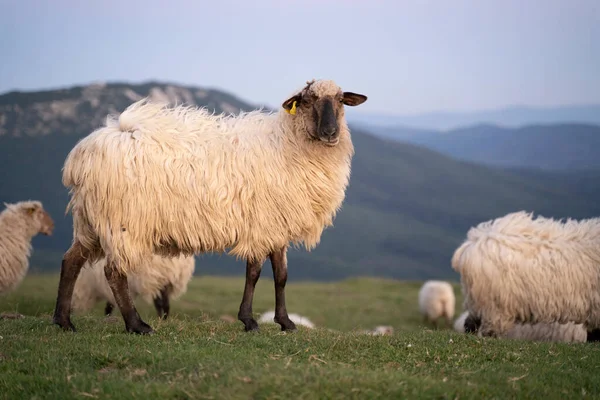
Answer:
(253, 269)
(472, 324)
(161, 303)
(120, 289)
(72, 262)
(279, 264)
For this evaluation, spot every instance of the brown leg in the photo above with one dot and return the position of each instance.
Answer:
(108, 309)
(72, 262)
(279, 264)
(161, 303)
(253, 269)
(120, 289)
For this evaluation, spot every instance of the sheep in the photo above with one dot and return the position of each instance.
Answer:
(541, 332)
(381, 330)
(180, 180)
(436, 300)
(269, 317)
(19, 223)
(167, 279)
(515, 269)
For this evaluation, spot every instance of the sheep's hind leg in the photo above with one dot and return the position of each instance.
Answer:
(161, 302)
(118, 285)
(279, 264)
(253, 269)
(72, 262)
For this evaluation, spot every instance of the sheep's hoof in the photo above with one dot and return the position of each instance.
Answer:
(66, 325)
(250, 325)
(286, 324)
(140, 328)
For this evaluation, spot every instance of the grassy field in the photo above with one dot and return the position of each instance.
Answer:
(197, 355)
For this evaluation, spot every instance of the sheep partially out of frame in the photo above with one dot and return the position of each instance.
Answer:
(171, 181)
(516, 269)
(540, 332)
(165, 281)
(437, 300)
(19, 223)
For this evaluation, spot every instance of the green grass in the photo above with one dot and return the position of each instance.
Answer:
(196, 355)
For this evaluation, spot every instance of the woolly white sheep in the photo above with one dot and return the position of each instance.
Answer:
(269, 317)
(541, 332)
(516, 269)
(436, 300)
(171, 181)
(167, 279)
(19, 223)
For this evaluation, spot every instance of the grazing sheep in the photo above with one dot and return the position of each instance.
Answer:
(269, 317)
(167, 279)
(515, 269)
(19, 223)
(170, 181)
(541, 332)
(436, 300)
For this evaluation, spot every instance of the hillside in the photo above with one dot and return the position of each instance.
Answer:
(407, 207)
(551, 147)
(508, 117)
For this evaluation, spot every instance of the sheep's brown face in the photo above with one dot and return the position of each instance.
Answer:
(43, 219)
(321, 105)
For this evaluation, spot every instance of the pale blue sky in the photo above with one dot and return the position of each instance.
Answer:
(406, 55)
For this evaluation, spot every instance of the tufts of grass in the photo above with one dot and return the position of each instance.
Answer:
(196, 355)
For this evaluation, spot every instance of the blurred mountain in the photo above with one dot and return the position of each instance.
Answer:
(407, 207)
(509, 117)
(551, 147)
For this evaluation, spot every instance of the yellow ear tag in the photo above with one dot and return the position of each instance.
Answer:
(293, 109)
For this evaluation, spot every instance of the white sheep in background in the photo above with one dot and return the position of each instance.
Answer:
(19, 223)
(515, 269)
(437, 300)
(381, 330)
(541, 332)
(269, 317)
(166, 280)
(171, 181)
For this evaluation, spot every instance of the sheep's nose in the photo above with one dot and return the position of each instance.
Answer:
(329, 132)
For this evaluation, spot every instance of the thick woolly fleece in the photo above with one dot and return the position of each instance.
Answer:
(17, 228)
(436, 299)
(183, 181)
(517, 269)
(92, 287)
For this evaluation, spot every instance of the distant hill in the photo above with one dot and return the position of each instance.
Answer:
(509, 117)
(551, 147)
(407, 207)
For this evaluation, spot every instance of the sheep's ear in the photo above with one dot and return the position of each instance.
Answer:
(354, 99)
(289, 103)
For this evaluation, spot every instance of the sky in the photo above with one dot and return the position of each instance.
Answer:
(407, 56)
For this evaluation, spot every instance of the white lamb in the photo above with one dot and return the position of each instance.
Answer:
(517, 269)
(540, 332)
(171, 181)
(436, 300)
(166, 280)
(269, 317)
(19, 223)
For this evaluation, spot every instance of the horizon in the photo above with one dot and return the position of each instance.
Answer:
(408, 58)
(353, 111)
